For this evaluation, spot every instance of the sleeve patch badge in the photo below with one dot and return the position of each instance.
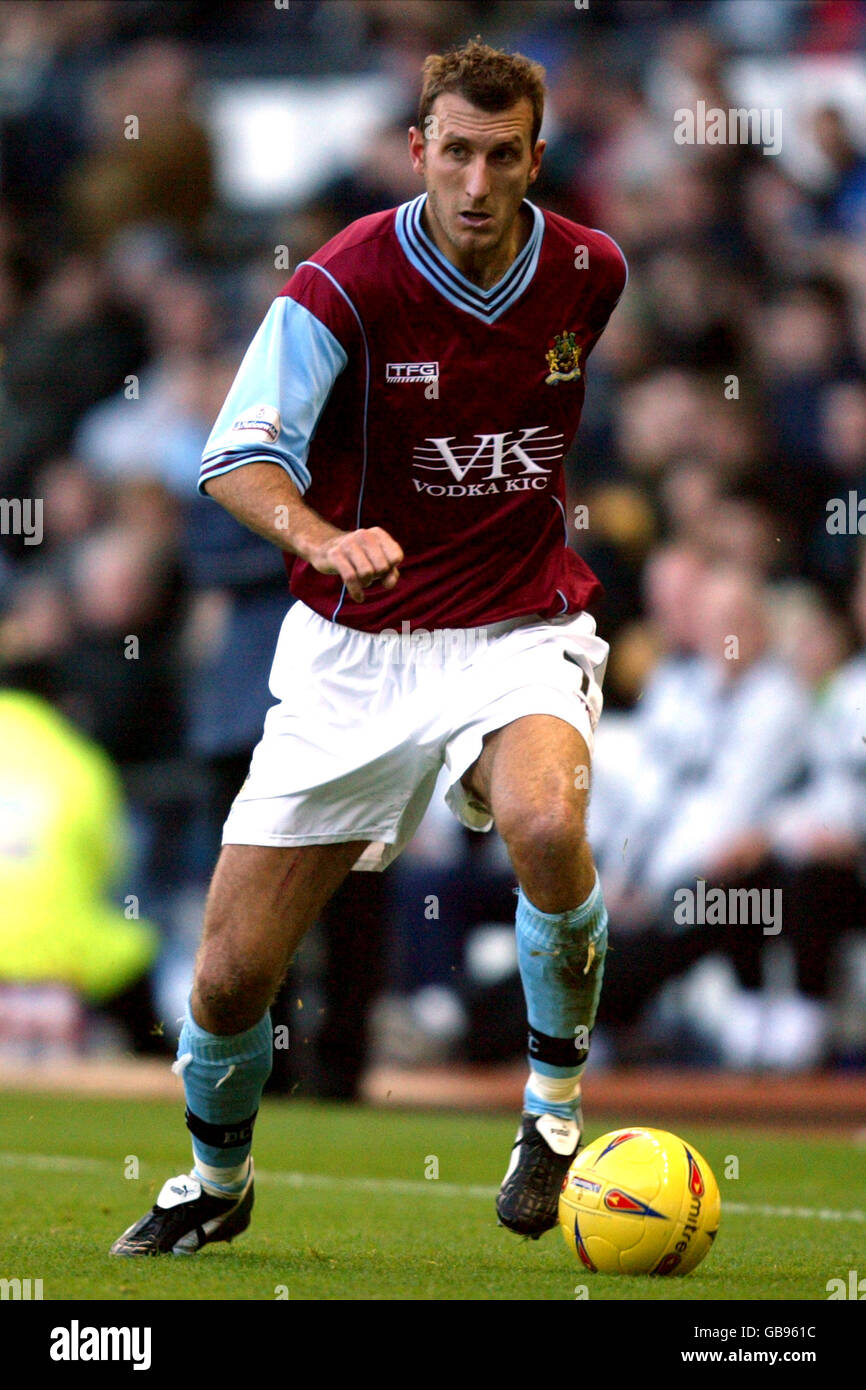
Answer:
(260, 425)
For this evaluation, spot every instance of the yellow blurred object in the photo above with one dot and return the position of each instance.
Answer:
(61, 846)
(633, 658)
(623, 515)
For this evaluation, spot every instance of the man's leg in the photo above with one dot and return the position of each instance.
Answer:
(534, 774)
(261, 902)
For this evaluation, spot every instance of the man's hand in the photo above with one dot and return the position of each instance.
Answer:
(359, 558)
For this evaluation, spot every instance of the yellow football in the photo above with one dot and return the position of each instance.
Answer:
(639, 1201)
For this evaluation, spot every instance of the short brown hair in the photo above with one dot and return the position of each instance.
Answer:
(489, 78)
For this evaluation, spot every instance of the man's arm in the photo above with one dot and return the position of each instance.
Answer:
(264, 498)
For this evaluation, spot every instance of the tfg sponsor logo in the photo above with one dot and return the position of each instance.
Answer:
(406, 373)
(77, 1343)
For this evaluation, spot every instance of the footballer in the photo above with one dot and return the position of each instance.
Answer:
(397, 428)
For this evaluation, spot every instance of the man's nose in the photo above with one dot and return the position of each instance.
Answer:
(478, 180)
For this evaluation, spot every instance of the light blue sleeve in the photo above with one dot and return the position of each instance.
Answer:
(282, 385)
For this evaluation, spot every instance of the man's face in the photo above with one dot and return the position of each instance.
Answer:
(477, 166)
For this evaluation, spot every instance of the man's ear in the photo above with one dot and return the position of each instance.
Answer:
(416, 148)
(535, 168)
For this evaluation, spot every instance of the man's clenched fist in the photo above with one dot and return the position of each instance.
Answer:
(360, 558)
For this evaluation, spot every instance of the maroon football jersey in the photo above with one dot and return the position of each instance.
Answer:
(398, 394)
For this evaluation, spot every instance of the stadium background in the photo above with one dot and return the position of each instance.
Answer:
(726, 406)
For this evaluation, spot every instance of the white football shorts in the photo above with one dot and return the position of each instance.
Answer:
(365, 722)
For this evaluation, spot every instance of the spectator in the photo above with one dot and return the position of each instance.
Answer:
(61, 855)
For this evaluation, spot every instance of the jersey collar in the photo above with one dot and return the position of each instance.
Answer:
(428, 260)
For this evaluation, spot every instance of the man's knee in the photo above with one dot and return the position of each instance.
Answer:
(551, 831)
(229, 998)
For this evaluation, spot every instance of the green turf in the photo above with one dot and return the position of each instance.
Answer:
(343, 1209)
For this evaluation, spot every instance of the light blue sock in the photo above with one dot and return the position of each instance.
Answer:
(561, 960)
(223, 1079)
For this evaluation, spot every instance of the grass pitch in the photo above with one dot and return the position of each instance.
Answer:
(344, 1209)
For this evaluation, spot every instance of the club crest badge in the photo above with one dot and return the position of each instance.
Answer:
(563, 359)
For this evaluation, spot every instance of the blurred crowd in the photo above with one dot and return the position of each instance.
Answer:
(726, 408)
